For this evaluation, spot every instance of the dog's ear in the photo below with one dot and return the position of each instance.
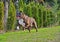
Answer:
(23, 14)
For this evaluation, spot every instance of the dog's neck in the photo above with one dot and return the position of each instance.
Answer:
(25, 17)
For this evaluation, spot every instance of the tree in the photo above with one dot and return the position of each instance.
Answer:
(1, 15)
(5, 13)
(11, 17)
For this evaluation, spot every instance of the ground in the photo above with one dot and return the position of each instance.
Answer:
(51, 34)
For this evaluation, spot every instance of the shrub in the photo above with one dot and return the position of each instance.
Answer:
(1, 16)
(11, 17)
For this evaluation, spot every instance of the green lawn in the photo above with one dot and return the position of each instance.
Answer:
(51, 34)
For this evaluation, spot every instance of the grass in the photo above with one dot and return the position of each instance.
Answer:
(51, 34)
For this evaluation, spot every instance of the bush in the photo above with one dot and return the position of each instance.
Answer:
(1, 16)
(44, 16)
(11, 17)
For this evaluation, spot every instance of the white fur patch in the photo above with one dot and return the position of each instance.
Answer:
(17, 27)
(21, 22)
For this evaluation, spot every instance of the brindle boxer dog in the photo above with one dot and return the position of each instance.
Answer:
(29, 21)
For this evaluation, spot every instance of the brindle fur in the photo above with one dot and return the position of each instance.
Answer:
(29, 21)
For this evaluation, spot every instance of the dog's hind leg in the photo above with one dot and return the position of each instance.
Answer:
(35, 26)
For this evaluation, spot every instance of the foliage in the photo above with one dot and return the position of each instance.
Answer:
(11, 17)
(45, 15)
(1, 15)
(21, 5)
